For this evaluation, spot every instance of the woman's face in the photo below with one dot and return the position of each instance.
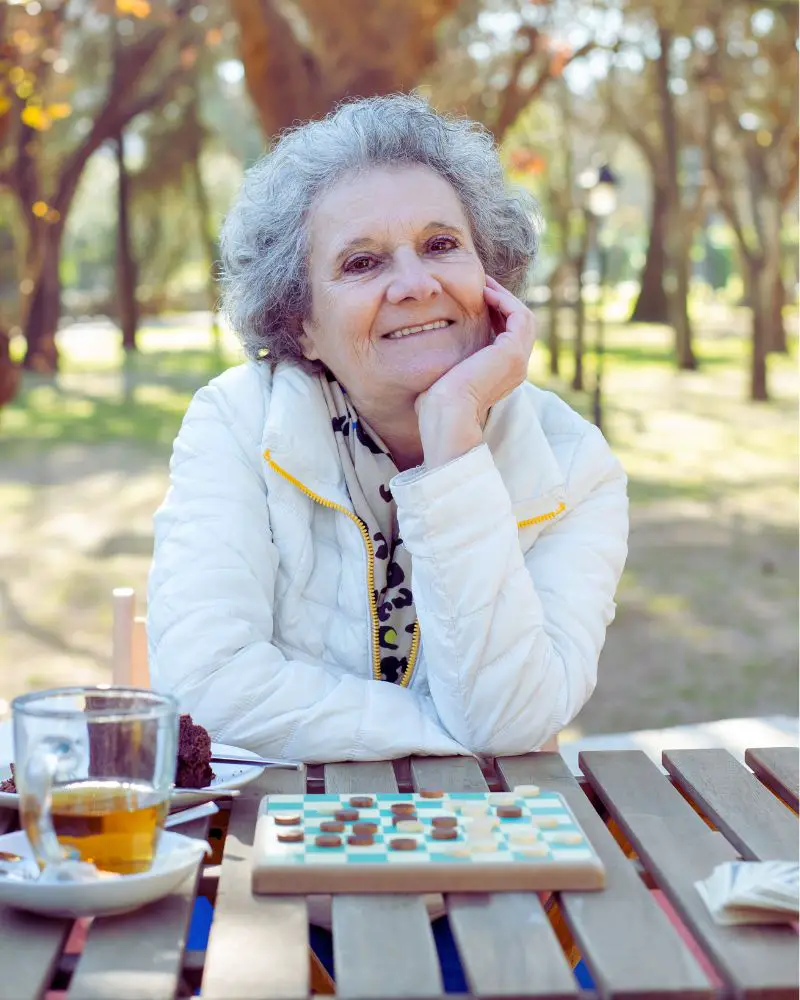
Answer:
(391, 251)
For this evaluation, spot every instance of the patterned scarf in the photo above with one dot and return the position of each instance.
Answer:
(368, 467)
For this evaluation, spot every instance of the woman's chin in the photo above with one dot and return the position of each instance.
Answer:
(422, 376)
(418, 370)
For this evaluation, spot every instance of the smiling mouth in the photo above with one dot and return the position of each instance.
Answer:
(410, 331)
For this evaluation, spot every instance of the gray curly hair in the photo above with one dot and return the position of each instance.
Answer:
(264, 239)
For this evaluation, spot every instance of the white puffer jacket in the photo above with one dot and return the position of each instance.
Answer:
(261, 617)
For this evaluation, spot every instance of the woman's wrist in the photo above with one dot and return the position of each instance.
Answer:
(448, 429)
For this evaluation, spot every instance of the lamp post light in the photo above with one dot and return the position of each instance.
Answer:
(600, 185)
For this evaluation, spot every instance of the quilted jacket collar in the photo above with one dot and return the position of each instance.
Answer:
(300, 440)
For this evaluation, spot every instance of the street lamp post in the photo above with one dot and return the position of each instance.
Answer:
(600, 185)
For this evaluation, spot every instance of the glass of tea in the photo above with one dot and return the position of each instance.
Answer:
(95, 768)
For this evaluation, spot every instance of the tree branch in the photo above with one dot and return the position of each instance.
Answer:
(788, 189)
(515, 98)
(724, 193)
(133, 63)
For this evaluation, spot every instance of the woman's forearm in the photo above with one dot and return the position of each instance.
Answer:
(511, 639)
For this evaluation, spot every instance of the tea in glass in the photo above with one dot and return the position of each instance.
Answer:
(112, 824)
(95, 769)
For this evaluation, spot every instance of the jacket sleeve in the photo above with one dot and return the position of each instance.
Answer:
(210, 619)
(512, 639)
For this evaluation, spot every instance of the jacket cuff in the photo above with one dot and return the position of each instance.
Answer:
(390, 708)
(456, 503)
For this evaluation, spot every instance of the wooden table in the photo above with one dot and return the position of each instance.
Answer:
(667, 831)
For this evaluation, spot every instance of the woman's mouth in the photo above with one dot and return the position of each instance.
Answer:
(409, 331)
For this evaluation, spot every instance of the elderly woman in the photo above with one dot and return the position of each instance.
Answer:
(380, 539)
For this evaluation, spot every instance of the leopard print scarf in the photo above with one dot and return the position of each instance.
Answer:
(368, 467)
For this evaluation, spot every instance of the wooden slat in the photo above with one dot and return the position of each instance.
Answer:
(508, 946)
(360, 776)
(30, 947)
(258, 944)
(779, 769)
(506, 943)
(628, 943)
(382, 945)
(139, 956)
(753, 820)
(450, 774)
(678, 848)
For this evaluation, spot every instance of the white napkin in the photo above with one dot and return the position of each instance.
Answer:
(753, 892)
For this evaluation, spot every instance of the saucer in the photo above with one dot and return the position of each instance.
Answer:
(99, 894)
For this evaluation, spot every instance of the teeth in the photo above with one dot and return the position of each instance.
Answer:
(406, 331)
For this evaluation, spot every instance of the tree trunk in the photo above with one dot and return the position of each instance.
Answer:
(128, 311)
(553, 338)
(553, 330)
(580, 322)
(41, 324)
(759, 290)
(9, 372)
(651, 305)
(209, 246)
(777, 329)
(590, 222)
(302, 58)
(681, 269)
(678, 242)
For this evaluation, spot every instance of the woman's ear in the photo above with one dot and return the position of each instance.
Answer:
(307, 343)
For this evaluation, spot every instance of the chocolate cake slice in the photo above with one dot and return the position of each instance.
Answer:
(194, 755)
(9, 785)
(193, 768)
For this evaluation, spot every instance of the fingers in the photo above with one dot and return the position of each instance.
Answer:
(519, 320)
(500, 297)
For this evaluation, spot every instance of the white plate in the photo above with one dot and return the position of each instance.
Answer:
(225, 775)
(232, 775)
(176, 859)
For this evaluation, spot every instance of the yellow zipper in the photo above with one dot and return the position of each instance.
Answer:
(542, 517)
(376, 647)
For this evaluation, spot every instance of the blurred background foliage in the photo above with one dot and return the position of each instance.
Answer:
(125, 127)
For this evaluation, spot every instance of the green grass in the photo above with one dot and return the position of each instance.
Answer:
(100, 396)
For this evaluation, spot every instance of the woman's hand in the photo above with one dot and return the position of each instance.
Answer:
(452, 413)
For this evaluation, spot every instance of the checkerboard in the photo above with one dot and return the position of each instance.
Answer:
(543, 848)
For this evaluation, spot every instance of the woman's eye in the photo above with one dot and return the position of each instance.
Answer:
(358, 264)
(442, 243)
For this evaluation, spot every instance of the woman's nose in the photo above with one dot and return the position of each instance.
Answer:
(411, 280)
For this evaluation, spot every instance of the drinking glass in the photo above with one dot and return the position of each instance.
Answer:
(94, 769)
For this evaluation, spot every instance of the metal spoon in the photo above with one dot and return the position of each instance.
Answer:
(187, 815)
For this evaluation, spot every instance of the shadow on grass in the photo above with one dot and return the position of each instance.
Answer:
(143, 404)
(711, 353)
(16, 620)
(186, 367)
(700, 633)
(643, 491)
(66, 417)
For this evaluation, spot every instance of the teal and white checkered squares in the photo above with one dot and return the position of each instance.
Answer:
(545, 832)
